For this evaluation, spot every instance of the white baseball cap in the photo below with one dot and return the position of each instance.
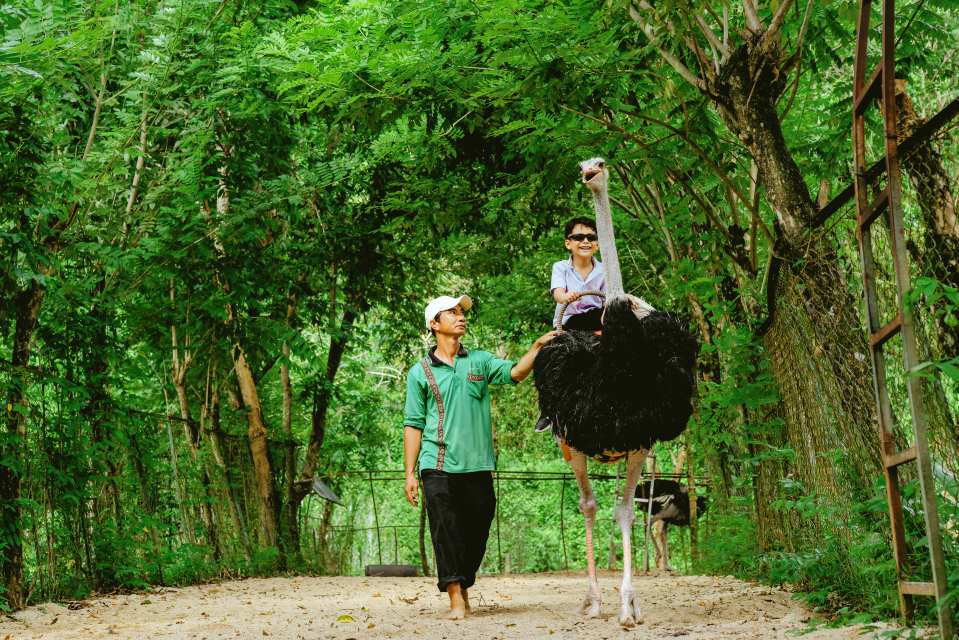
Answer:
(443, 303)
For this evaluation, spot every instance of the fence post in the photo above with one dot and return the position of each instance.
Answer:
(423, 561)
(499, 542)
(562, 522)
(649, 515)
(376, 519)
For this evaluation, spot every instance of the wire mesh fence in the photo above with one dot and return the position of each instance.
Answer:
(537, 525)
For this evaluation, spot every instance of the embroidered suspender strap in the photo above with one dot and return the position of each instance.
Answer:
(431, 380)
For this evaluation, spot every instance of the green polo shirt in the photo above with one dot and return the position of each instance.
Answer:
(461, 439)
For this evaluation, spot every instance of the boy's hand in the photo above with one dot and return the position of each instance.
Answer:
(573, 296)
(412, 489)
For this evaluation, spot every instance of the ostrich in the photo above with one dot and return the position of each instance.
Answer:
(612, 396)
(670, 506)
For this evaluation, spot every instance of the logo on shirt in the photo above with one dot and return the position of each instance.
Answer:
(476, 377)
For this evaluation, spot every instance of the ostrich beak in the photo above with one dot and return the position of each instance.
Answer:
(589, 174)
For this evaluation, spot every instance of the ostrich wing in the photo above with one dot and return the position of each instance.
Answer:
(562, 371)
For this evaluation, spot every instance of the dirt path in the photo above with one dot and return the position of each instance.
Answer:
(521, 606)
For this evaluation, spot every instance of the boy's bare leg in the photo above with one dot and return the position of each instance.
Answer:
(457, 603)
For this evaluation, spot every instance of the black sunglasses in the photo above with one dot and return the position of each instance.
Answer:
(579, 237)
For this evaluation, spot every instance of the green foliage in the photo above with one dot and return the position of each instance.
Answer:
(311, 174)
(940, 301)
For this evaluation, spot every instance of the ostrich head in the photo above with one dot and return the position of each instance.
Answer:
(594, 173)
(596, 177)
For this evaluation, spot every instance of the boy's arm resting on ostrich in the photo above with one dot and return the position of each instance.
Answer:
(412, 437)
(525, 364)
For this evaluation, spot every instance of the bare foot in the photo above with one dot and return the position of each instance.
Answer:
(458, 605)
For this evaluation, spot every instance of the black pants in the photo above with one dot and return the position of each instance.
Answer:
(592, 320)
(461, 507)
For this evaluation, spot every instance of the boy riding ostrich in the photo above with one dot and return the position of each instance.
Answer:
(612, 396)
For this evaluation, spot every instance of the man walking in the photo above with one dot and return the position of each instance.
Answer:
(448, 434)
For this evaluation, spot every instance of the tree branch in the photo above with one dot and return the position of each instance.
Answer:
(733, 249)
(754, 222)
(726, 26)
(653, 192)
(705, 67)
(672, 60)
(777, 22)
(699, 152)
(713, 41)
(805, 25)
(752, 18)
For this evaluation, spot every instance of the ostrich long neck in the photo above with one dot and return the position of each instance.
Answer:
(607, 243)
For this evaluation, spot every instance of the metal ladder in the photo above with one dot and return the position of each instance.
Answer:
(881, 84)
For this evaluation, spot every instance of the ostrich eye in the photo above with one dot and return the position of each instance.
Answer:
(601, 165)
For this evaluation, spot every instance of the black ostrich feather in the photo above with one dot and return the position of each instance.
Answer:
(672, 505)
(621, 391)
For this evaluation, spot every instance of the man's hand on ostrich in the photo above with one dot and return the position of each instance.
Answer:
(544, 339)
(524, 365)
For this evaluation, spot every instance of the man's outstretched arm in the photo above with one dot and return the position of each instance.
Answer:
(525, 364)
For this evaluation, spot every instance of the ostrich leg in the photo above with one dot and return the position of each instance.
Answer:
(660, 543)
(625, 515)
(587, 504)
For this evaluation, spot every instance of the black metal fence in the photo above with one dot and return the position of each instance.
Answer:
(389, 532)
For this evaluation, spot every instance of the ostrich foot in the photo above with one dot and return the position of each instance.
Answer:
(456, 613)
(590, 605)
(629, 614)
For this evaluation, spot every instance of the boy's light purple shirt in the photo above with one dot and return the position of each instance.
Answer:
(565, 277)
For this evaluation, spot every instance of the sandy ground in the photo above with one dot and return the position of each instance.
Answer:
(521, 606)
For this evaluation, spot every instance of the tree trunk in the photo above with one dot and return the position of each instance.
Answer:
(179, 368)
(321, 402)
(192, 436)
(256, 432)
(215, 439)
(27, 304)
(103, 456)
(939, 259)
(816, 342)
(148, 494)
(186, 519)
(289, 522)
(932, 183)
(693, 506)
(323, 548)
